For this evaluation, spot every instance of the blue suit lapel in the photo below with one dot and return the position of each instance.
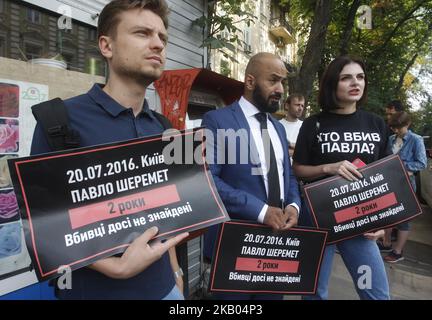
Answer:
(281, 134)
(246, 137)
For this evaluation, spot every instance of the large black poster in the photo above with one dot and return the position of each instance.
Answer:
(83, 205)
(383, 198)
(252, 258)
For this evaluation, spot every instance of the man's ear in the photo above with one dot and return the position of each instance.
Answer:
(105, 46)
(250, 82)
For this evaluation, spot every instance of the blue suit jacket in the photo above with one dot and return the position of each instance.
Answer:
(242, 193)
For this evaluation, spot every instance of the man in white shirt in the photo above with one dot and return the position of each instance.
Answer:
(294, 107)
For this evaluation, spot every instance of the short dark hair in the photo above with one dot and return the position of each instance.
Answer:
(396, 104)
(399, 120)
(327, 98)
(297, 96)
(109, 17)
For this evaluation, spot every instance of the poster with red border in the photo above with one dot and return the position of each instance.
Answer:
(81, 205)
(381, 199)
(252, 258)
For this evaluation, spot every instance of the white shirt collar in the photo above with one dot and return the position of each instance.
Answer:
(248, 108)
(296, 121)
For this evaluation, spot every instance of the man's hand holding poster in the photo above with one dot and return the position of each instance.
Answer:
(382, 198)
(81, 205)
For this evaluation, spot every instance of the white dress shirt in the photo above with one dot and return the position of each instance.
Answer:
(249, 110)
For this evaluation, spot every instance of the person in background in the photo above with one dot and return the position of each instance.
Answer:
(410, 148)
(391, 108)
(294, 107)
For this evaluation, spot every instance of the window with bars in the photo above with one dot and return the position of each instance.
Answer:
(224, 34)
(247, 40)
(91, 34)
(34, 16)
(32, 50)
(70, 56)
(263, 9)
(2, 47)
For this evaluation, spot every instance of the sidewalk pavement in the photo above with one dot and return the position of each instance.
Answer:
(410, 279)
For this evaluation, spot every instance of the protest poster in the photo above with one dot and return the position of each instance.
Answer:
(81, 205)
(382, 198)
(252, 258)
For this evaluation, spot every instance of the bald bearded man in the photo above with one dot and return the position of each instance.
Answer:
(253, 176)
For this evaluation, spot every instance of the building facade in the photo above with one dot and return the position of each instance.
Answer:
(31, 29)
(271, 31)
(29, 32)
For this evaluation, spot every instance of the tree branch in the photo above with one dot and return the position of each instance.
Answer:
(405, 71)
(346, 36)
(311, 61)
(413, 59)
(407, 16)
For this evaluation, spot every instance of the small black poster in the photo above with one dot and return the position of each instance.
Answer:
(81, 205)
(252, 258)
(382, 198)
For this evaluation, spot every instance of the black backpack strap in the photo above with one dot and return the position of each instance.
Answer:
(163, 120)
(54, 120)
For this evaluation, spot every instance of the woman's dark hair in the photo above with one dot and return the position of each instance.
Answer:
(327, 98)
(396, 104)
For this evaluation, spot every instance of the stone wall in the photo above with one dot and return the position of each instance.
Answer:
(62, 83)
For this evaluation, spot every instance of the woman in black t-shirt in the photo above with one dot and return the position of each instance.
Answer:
(327, 144)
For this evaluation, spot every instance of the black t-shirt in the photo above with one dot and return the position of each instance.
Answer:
(329, 138)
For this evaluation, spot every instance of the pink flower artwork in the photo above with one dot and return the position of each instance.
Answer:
(9, 136)
(8, 206)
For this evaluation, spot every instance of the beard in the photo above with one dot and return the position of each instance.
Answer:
(263, 104)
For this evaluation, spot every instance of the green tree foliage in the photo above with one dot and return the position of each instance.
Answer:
(400, 34)
(400, 38)
(224, 16)
(421, 92)
(398, 42)
(424, 123)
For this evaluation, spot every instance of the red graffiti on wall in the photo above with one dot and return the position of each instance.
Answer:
(173, 89)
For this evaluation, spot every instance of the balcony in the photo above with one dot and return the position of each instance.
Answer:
(282, 30)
